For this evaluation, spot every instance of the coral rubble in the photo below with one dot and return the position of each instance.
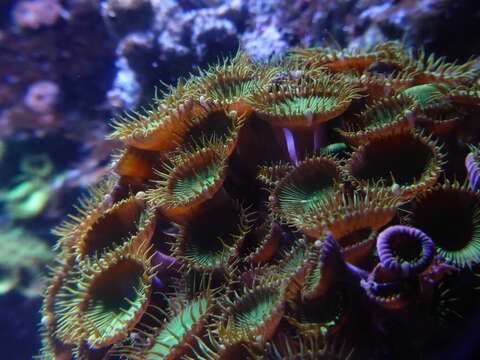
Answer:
(315, 198)
(23, 267)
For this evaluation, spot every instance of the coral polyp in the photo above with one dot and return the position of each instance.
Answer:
(127, 217)
(253, 316)
(115, 299)
(203, 246)
(386, 289)
(273, 210)
(311, 100)
(433, 70)
(386, 117)
(304, 187)
(191, 179)
(408, 163)
(344, 60)
(343, 214)
(459, 242)
(473, 168)
(229, 84)
(106, 298)
(323, 315)
(405, 250)
(174, 335)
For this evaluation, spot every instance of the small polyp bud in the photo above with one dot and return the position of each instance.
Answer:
(309, 116)
(203, 102)
(324, 331)
(141, 195)
(410, 116)
(48, 320)
(297, 74)
(395, 189)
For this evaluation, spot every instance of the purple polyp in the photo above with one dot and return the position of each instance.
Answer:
(331, 243)
(388, 254)
(158, 283)
(290, 145)
(333, 255)
(162, 260)
(357, 272)
(385, 289)
(370, 285)
(319, 140)
(165, 266)
(438, 270)
(473, 170)
(331, 251)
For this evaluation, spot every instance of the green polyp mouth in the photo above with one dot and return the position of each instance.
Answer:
(253, 309)
(207, 245)
(451, 217)
(423, 94)
(179, 325)
(294, 198)
(464, 249)
(211, 255)
(401, 159)
(382, 117)
(211, 125)
(296, 106)
(196, 176)
(116, 287)
(113, 229)
(386, 112)
(231, 91)
(115, 297)
(307, 186)
(188, 188)
(209, 249)
(326, 310)
(8, 279)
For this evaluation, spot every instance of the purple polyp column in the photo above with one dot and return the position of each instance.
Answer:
(319, 138)
(356, 272)
(332, 249)
(473, 170)
(290, 141)
(165, 268)
(393, 238)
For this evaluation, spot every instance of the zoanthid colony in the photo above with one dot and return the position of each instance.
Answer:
(317, 207)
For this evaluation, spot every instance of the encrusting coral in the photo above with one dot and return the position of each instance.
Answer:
(296, 199)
